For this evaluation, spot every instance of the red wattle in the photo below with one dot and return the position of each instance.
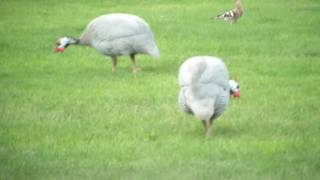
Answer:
(59, 49)
(236, 94)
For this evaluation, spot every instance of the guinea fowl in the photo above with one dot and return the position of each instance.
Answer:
(234, 14)
(115, 35)
(205, 89)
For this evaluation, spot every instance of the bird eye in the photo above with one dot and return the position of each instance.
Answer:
(238, 87)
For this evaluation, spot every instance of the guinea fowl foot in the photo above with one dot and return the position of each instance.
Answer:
(113, 70)
(136, 69)
(208, 135)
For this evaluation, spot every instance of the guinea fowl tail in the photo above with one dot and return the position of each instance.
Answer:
(199, 102)
(155, 52)
(197, 73)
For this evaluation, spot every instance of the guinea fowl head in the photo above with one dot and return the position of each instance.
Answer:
(234, 88)
(63, 43)
(238, 7)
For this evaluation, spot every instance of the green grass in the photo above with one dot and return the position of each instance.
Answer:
(67, 116)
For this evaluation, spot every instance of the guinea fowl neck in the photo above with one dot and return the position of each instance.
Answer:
(73, 40)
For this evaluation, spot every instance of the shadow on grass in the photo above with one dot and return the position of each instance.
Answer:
(227, 131)
(224, 132)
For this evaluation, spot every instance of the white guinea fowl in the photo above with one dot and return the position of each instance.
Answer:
(115, 35)
(205, 88)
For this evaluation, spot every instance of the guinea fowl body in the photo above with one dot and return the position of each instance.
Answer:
(116, 35)
(120, 34)
(204, 88)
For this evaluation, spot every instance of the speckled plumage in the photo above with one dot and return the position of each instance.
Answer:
(204, 87)
(116, 35)
(120, 34)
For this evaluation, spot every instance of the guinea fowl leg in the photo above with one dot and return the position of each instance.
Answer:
(135, 66)
(114, 63)
(204, 126)
(208, 127)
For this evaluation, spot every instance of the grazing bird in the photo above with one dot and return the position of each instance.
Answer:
(205, 89)
(115, 35)
(234, 14)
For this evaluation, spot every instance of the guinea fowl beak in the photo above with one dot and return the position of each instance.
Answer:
(59, 49)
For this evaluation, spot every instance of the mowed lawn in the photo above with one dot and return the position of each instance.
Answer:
(67, 116)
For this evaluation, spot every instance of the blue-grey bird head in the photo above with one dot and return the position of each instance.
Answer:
(63, 43)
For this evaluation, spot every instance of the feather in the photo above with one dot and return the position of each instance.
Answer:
(115, 35)
(204, 87)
